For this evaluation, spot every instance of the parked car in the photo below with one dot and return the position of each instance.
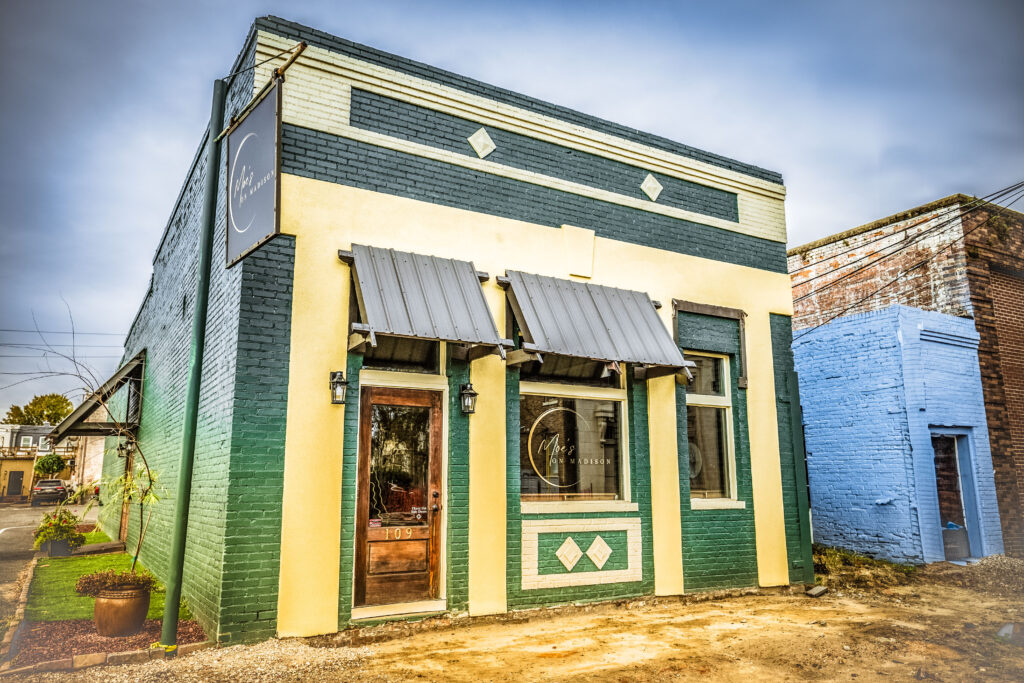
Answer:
(55, 490)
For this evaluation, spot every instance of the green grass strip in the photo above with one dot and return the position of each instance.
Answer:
(96, 536)
(52, 596)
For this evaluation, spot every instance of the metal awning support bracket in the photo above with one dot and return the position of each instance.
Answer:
(520, 356)
(366, 331)
(653, 371)
(610, 368)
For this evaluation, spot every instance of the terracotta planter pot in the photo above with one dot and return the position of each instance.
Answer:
(58, 548)
(120, 611)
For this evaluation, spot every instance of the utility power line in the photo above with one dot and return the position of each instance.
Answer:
(975, 200)
(107, 334)
(896, 279)
(37, 345)
(905, 244)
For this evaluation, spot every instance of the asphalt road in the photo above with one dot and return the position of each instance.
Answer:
(16, 525)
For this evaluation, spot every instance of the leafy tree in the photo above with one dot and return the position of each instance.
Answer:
(49, 465)
(15, 416)
(47, 408)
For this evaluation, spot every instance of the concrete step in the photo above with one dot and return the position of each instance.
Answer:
(97, 548)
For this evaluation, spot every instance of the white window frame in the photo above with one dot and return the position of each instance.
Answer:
(582, 391)
(44, 444)
(730, 500)
(22, 443)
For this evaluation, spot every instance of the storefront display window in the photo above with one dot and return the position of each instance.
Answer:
(570, 448)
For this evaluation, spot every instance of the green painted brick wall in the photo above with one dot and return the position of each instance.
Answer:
(640, 468)
(349, 462)
(252, 537)
(719, 548)
(457, 498)
(794, 506)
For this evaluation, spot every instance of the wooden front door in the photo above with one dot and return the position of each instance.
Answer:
(398, 508)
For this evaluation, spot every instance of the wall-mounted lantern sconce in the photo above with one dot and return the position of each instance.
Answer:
(468, 395)
(124, 449)
(339, 385)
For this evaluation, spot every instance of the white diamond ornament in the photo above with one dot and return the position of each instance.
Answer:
(569, 553)
(599, 552)
(651, 187)
(481, 143)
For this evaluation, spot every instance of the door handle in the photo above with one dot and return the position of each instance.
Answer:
(435, 495)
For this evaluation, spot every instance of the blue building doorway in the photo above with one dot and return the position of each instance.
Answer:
(958, 507)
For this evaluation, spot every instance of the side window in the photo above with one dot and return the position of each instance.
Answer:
(709, 427)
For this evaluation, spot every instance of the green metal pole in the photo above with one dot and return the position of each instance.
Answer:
(172, 603)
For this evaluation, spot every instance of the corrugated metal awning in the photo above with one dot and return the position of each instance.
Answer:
(78, 423)
(426, 297)
(571, 318)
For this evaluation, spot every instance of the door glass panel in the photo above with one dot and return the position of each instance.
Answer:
(947, 476)
(399, 459)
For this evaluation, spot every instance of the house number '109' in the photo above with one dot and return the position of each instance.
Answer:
(397, 533)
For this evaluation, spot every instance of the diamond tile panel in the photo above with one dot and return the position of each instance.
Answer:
(651, 187)
(569, 553)
(482, 143)
(599, 552)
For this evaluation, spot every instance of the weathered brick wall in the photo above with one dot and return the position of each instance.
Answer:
(855, 417)
(874, 388)
(719, 546)
(966, 258)
(854, 263)
(995, 257)
(942, 381)
(163, 327)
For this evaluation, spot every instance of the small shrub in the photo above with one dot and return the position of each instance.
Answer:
(59, 525)
(92, 584)
(841, 568)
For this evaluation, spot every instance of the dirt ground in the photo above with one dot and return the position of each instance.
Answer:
(929, 628)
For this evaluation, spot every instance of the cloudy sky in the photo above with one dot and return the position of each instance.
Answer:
(866, 107)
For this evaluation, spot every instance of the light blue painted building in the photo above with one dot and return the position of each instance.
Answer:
(897, 443)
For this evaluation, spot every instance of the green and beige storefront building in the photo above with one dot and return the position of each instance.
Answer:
(563, 344)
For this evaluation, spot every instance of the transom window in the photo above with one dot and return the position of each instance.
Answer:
(709, 427)
(571, 443)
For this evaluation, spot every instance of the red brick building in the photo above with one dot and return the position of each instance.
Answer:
(956, 255)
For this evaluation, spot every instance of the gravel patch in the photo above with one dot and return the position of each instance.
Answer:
(273, 660)
(995, 574)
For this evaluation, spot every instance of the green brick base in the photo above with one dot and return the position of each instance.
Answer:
(719, 549)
